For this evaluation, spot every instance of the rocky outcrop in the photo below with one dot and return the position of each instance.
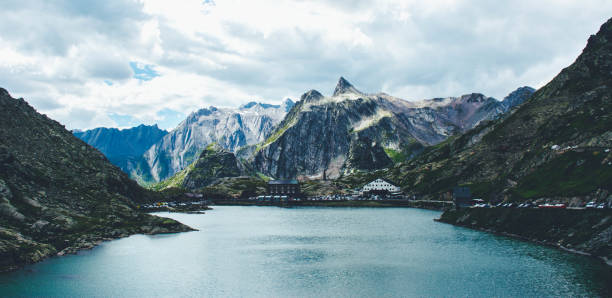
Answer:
(364, 154)
(344, 87)
(325, 134)
(214, 163)
(232, 129)
(581, 231)
(57, 193)
(124, 147)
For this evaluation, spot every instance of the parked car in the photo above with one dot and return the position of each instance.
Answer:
(601, 206)
(591, 204)
(561, 206)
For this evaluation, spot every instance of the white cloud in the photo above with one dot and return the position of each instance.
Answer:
(59, 55)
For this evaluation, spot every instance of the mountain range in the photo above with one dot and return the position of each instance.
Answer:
(361, 132)
(230, 128)
(123, 147)
(149, 154)
(331, 136)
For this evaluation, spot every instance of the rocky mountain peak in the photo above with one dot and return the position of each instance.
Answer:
(312, 95)
(288, 104)
(248, 105)
(517, 96)
(474, 98)
(3, 92)
(201, 112)
(344, 87)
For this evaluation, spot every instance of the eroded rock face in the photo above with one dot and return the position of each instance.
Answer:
(317, 135)
(55, 189)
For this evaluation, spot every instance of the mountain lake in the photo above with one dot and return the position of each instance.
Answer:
(314, 252)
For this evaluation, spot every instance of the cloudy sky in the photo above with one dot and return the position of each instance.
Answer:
(122, 63)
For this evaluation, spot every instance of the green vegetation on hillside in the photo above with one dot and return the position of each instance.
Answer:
(396, 156)
(175, 181)
(570, 174)
(235, 187)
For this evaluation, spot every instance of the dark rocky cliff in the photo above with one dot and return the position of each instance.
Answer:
(58, 194)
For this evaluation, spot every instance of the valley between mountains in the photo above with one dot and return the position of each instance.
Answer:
(64, 190)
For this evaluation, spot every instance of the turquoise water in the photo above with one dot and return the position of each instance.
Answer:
(333, 252)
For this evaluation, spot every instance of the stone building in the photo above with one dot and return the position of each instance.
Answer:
(284, 187)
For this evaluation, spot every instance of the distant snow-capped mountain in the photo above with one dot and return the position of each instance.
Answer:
(231, 128)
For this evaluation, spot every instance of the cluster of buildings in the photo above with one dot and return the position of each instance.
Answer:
(290, 190)
(165, 205)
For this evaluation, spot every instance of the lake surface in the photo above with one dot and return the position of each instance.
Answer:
(334, 252)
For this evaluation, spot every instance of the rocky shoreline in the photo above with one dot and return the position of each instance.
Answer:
(59, 195)
(584, 232)
(430, 205)
(19, 250)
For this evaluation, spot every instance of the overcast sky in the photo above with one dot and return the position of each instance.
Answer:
(122, 63)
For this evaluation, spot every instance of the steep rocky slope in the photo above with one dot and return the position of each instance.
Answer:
(333, 136)
(57, 193)
(214, 163)
(217, 174)
(557, 145)
(123, 147)
(230, 128)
